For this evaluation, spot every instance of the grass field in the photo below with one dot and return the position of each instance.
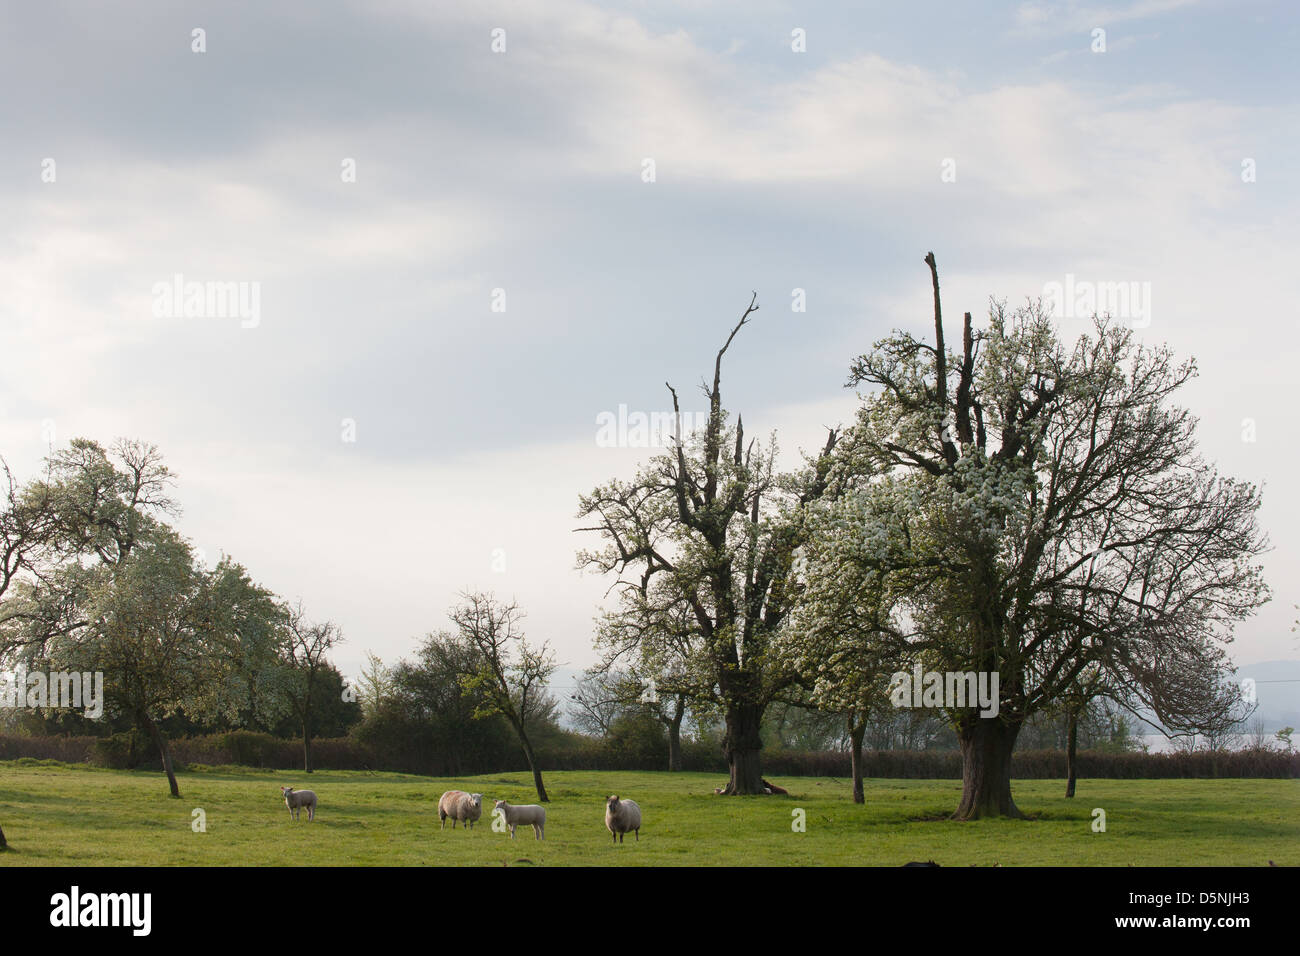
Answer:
(60, 815)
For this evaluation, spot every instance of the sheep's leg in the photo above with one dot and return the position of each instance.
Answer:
(638, 834)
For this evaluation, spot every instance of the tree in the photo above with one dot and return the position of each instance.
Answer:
(431, 690)
(374, 685)
(605, 696)
(602, 697)
(1043, 509)
(655, 635)
(1283, 737)
(842, 640)
(510, 674)
(118, 591)
(711, 527)
(148, 622)
(1258, 735)
(26, 525)
(303, 652)
(253, 621)
(1087, 686)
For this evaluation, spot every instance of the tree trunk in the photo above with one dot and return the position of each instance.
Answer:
(532, 765)
(675, 738)
(306, 727)
(1071, 753)
(743, 748)
(856, 732)
(160, 742)
(986, 747)
(3, 844)
(306, 748)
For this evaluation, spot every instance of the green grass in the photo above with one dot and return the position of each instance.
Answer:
(59, 815)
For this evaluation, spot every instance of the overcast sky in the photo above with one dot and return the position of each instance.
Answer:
(996, 135)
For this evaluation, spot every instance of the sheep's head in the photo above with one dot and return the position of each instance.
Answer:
(476, 799)
(611, 803)
(499, 805)
(286, 790)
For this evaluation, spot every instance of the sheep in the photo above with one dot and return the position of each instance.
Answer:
(295, 800)
(459, 805)
(622, 816)
(531, 813)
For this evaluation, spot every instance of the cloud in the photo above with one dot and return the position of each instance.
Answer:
(1076, 17)
(521, 171)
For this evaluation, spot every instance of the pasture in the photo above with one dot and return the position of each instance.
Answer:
(67, 815)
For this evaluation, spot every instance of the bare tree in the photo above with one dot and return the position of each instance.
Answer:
(600, 698)
(1259, 737)
(303, 652)
(512, 675)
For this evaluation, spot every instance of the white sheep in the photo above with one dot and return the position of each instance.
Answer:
(295, 800)
(459, 805)
(529, 814)
(622, 816)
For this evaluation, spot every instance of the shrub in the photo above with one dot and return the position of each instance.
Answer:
(124, 751)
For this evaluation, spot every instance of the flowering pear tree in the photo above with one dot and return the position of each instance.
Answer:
(1038, 509)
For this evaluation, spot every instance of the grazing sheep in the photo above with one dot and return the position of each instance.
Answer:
(622, 816)
(459, 805)
(295, 800)
(531, 813)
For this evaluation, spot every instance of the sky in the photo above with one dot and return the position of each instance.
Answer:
(463, 233)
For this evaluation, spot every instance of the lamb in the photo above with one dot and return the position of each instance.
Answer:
(622, 816)
(295, 800)
(459, 805)
(531, 813)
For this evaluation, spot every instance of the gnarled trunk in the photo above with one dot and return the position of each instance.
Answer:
(743, 747)
(986, 747)
(3, 844)
(160, 741)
